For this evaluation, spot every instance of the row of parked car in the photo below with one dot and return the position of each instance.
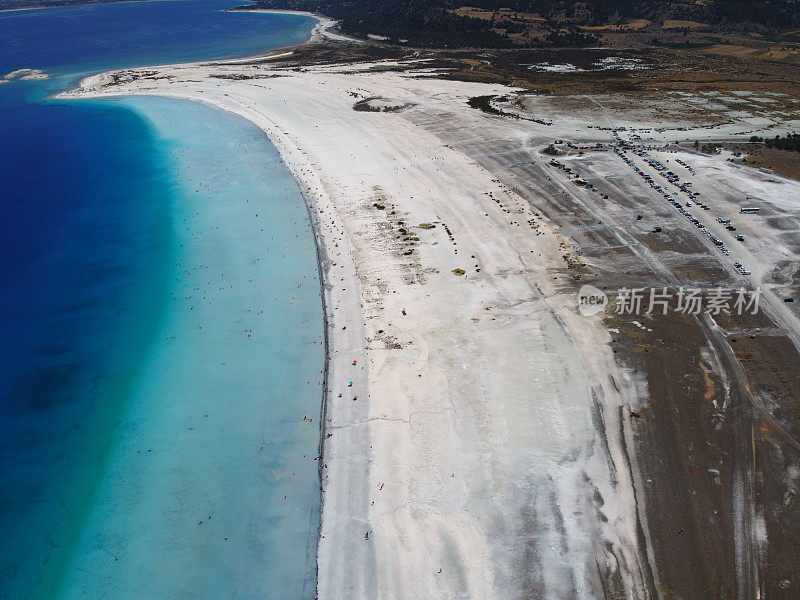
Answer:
(684, 187)
(686, 166)
(674, 178)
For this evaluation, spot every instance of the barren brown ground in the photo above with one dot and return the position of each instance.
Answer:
(783, 162)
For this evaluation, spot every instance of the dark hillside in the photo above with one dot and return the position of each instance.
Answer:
(535, 23)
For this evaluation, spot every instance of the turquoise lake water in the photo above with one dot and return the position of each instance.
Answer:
(161, 332)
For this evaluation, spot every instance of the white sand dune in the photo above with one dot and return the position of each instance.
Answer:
(482, 456)
(25, 75)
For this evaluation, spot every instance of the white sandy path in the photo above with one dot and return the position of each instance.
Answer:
(471, 457)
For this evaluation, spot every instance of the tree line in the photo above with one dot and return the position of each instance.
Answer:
(791, 141)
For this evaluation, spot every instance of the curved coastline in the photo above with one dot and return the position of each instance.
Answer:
(316, 204)
(343, 321)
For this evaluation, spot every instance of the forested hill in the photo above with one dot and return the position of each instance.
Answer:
(502, 23)
(772, 13)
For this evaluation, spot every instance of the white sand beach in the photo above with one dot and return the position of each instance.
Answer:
(478, 452)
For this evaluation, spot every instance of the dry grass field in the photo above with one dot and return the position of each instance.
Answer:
(679, 24)
(635, 25)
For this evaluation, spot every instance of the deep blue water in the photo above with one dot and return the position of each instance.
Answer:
(82, 264)
(88, 192)
(79, 39)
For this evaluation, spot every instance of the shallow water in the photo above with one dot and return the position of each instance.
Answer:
(215, 473)
(141, 293)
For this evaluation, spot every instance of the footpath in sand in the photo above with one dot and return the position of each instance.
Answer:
(478, 452)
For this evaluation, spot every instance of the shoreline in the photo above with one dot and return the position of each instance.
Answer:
(290, 161)
(292, 158)
(317, 34)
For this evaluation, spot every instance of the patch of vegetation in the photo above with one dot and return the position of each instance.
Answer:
(365, 106)
(484, 103)
(459, 272)
(708, 149)
(373, 105)
(686, 45)
(791, 141)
